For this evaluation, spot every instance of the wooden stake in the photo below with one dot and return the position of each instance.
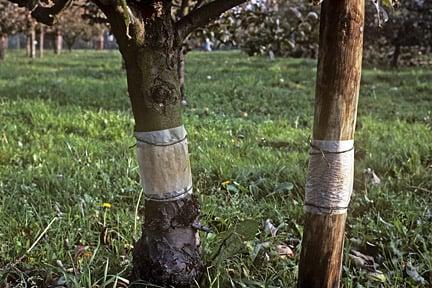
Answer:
(337, 89)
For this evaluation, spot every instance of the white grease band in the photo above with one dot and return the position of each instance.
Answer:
(163, 160)
(330, 177)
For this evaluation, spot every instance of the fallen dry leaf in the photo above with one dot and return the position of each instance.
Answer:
(376, 276)
(269, 228)
(363, 261)
(284, 251)
(373, 178)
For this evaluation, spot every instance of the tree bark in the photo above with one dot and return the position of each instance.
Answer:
(168, 252)
(181, 73)
(41, 41)
(337, 89)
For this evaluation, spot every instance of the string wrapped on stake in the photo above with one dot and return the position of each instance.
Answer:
(330, 178)
(164, 165)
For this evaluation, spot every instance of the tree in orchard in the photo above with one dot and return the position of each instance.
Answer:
(150, 41)
(12, 19)
(6, 27)
(283, 28)
(73, 27)
(410, 25)
(41, 42)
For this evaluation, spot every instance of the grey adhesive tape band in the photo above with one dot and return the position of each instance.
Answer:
(163, 160)
(330, 177)
(162, 137)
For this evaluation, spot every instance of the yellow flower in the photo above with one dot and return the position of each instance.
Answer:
(106, 205)
(88, 254)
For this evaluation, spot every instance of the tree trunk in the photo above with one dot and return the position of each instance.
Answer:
(3, 40)
(100, 41)
(28, 45)
(69, 42)
(6, 41)
(395, 56)
(331, 165)
(32, 42)
(41, 41)
(168, 252)
(58, 42)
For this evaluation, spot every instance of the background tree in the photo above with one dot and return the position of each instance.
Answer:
(41, 41)
(31, 37)
(408, 26)
(283, 28)
(57, 40)
(286, 28)
(73, 27)
(150, 41)
(12, 19)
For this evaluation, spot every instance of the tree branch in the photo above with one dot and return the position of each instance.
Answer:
(115, 18)
(198, 4)
(204, 15)
(46, 15)
(183, 8)
(95, 19)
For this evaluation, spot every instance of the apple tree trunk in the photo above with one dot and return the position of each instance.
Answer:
(168, 252)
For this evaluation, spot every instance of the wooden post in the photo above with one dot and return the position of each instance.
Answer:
(337, 89)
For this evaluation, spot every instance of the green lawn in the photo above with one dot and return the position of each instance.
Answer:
(66, 137)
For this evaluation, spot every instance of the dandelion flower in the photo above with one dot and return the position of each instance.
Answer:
(106, 205)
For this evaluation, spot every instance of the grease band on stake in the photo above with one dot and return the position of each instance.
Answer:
(163, 160)
(330, 177)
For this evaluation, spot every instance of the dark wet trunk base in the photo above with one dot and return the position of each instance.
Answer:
(168, 253)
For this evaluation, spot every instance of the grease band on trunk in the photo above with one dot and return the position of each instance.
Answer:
(164, 165)
(330, 177)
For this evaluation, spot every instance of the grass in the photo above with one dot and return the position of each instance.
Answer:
(66, 133)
